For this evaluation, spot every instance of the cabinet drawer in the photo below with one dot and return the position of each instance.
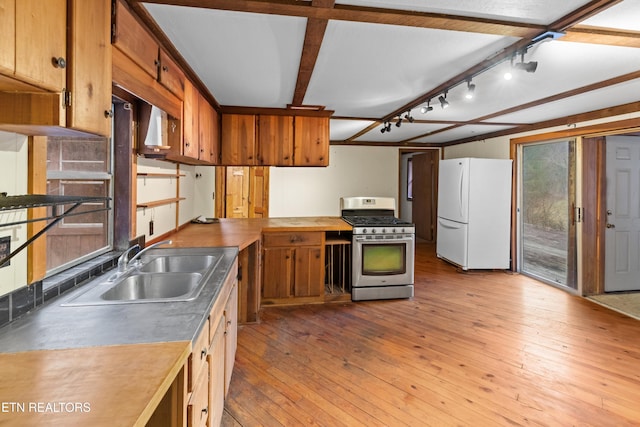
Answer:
(305, 238)
(198, 409)
(198, 357)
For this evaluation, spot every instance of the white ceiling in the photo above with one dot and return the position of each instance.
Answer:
(379, 58)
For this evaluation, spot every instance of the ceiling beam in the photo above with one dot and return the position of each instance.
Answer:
(311, 48)
(372, 15)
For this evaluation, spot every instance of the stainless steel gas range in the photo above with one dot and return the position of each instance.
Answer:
(383, 249)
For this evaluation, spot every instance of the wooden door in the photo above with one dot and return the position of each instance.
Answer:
(237, 192)
(40, 35)
(89, 70)
(425, 194)
(242, 191)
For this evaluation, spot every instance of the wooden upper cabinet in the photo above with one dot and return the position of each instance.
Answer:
(275, 140)
(238, 142)
(135, 41)
(208, 129)
(40, 42)
(170, 75)
(190, 117)
(89, 71)
(7, 36)
(311, 141)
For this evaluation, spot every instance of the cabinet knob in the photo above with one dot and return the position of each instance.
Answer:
(205, 410)
(59, 62)
(165, 68)
(108, 114)
(203, 353)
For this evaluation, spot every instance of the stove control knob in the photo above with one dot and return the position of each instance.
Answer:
(393, 231)
(373, 230)
(364, 231)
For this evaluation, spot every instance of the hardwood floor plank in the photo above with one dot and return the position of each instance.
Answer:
(476, 348)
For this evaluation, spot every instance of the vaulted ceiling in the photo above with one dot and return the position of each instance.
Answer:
(373, 61)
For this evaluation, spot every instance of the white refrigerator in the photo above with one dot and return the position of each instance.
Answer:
(474, 212)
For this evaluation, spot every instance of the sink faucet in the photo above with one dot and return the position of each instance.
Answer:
(124, 261)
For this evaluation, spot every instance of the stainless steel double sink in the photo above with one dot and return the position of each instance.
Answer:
(163, 275)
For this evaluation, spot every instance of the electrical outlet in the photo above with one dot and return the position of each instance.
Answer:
(5, 249)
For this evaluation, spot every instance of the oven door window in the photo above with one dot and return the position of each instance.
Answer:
(383, 259)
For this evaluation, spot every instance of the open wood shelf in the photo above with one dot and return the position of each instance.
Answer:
(155, 203)
(160, 175)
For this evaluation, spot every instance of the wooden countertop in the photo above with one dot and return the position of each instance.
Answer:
(242, 232)
(68, 387)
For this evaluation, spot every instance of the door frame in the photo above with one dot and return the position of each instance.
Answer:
(402, 172)
(592, 175)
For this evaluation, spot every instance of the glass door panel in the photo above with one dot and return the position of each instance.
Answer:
(547, 203)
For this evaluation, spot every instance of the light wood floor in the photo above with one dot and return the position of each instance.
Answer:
(471, 349)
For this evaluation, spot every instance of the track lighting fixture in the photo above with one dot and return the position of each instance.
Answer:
(399, 122)
(386, 127)
(443, 101)
(471, 88)
(409, 117)
(529, 67)
(425, 110)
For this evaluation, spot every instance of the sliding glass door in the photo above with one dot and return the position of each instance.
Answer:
(547, 232)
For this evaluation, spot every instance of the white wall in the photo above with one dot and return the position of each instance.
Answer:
(316, 191)
(13, 181)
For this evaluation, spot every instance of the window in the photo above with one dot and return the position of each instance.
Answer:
(79, 166)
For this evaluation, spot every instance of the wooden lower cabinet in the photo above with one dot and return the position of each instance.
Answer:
(293, 271)
(230, 336)
(217, 375)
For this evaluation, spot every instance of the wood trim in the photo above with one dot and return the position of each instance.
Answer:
(319, 112)
(37, 184)
(611, 127)
(593, 203)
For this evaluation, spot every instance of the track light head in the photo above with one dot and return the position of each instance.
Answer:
(443, 101)
(529, 67)
(409, 117)
(425, 110)
(471, 89)
(399, 122)
(388, 126)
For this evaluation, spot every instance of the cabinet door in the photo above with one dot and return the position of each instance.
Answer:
(311, 141)
(275, 140)
(208, 129)
(278, 272)
(230, 336)
(41, 37)
(190, 119)
(134, 41)
(7, 36)
(170, 75)
(309, 272)
(217, 375)
(89, 71)
(238, 144)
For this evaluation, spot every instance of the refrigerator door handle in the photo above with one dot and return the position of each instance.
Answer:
(450, 224)
(460, 192)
